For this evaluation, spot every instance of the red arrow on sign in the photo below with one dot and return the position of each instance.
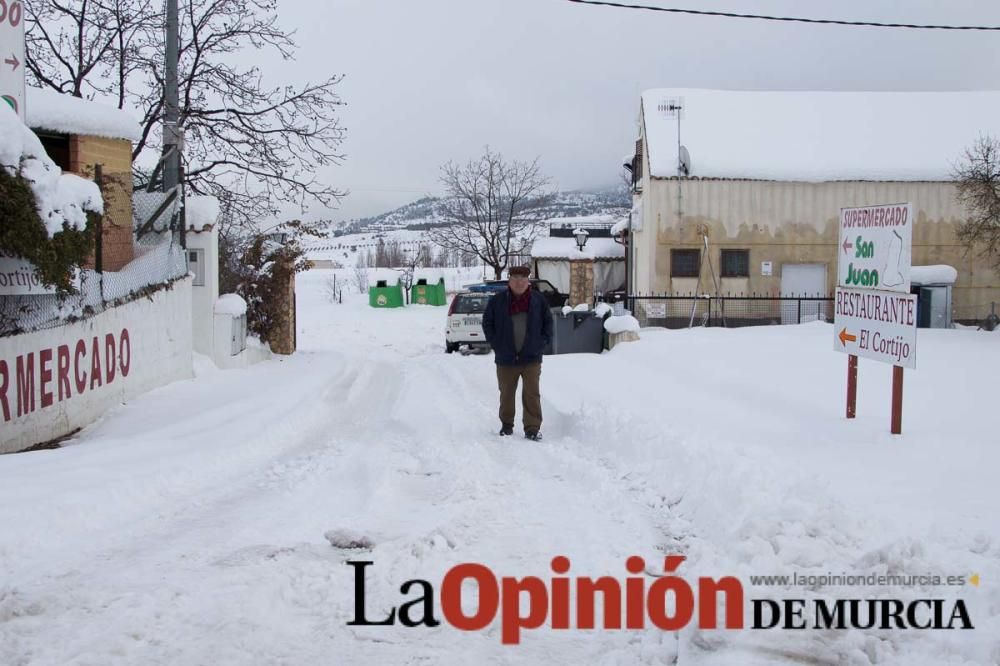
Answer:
(847, 245)
(12, 61)
(846, 337)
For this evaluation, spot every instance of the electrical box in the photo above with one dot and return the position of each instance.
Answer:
(933, 306)
(196, 265)
(238, 336)
(230, 330)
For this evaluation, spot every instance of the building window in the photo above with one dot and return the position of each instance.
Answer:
(735, 263)
(57, 148)
(685, 263)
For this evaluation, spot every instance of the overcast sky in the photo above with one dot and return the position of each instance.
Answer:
(429, 81)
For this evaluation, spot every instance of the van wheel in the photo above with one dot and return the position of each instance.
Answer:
(449, 347)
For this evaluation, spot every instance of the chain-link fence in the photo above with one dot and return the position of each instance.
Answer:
(728, 311)
(134, 254)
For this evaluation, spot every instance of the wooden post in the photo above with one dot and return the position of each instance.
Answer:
(852, 385)
(897, 400)
(99, 231)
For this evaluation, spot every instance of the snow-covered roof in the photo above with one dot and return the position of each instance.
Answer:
(230, 304)
(815, 136)
(390, 276)
(619, 226)
(565, 248)
(201, 212)
(432, 275)
(939, 274)
(621, 324)
(61, 198)
(55, 112)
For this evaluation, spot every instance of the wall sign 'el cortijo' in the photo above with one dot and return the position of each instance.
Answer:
(40, 379)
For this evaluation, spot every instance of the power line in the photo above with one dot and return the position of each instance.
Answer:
(786, 19)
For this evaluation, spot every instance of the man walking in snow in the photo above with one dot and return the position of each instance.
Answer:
(518, 325)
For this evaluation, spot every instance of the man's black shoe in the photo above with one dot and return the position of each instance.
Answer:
(533, 435)
(506, 430)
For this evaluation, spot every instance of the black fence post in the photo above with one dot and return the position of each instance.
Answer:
(183, 216)
(799, 318)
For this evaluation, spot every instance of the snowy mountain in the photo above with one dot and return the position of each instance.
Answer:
(406, 226)
(426, 212)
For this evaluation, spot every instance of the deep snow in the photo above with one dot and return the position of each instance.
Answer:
(194, 524)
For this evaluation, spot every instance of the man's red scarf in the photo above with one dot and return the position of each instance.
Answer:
(520, 303)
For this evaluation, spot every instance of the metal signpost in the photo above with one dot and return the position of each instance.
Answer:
(12, 55)
(875, 315)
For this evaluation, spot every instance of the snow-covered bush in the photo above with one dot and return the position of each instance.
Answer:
(265, 269)
(49, 217)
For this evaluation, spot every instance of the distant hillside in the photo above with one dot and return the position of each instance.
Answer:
(426, 212)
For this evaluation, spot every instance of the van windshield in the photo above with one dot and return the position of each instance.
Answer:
(471, 303)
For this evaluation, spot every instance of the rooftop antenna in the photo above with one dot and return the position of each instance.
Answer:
(673, 107)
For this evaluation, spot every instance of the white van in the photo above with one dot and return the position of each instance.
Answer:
(465, 321)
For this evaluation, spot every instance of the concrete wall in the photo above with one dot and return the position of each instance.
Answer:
(115, 156)
(57, 380)
(790, 222)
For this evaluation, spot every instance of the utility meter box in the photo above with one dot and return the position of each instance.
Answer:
(230, 326)
(933, 287)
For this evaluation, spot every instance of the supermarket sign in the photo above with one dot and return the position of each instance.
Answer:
(874, 247)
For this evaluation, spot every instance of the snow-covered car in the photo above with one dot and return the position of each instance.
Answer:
(553, 296)
(465, 321)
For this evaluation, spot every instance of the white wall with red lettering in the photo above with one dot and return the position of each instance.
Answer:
(55, 381)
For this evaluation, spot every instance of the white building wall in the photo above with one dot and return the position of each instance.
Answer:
(57, 380)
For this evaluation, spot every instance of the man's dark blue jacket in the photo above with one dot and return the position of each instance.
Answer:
(499, 329)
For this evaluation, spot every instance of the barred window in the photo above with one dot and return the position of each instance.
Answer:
(735, 263)
(684, 263)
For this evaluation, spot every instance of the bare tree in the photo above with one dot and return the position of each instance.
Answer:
(395, 257)
(90, 46)
(361, 273)
(977, 178)
(424, 258)
(408, 267)
(492, 206)
(252, 146)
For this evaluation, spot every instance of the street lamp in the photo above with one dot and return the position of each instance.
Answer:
(581, 236)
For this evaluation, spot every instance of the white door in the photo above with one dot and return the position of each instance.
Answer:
(802, 280)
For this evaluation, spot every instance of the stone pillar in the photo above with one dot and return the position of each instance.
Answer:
(581, 281)
(283, 335)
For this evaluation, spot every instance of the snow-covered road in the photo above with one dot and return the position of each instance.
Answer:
(187, 527)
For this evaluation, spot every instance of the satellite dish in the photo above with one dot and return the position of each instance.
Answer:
(684, 161)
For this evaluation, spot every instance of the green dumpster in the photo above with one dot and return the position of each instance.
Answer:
(385, 291)
(428, 288)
